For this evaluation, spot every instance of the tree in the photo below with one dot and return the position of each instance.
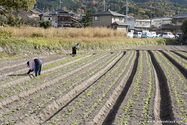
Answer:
(46, 24)
(3, 20)
(87, 20)
(184, 26)
(47, 10)
(10, 5)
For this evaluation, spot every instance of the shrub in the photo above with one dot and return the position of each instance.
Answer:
(37, 35)
(5, 33)
(46, 24)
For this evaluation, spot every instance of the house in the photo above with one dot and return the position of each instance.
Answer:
(179, 19)
(45, 16)
(63, 18)
(109, 19)
(142, 24)
(130, 20)
(154, 24)
(33, 13)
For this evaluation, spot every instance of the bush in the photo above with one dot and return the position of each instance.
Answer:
(46, 24)
(5, 34)
(37, 35)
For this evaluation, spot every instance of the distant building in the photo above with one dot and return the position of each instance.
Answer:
(179, 19)
(45, 16)
(154, 24)
(130, 21)
(109, 19)
(33, 13)
(63, 18)
(142, 24)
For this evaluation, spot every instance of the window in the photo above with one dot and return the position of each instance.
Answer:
(96, 18)
(114, 18)
(180, 21)
(120, 18)
(49, 19)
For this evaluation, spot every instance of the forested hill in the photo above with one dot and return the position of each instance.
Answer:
(137, 8)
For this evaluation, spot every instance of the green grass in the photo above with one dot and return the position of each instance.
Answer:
(20, 46)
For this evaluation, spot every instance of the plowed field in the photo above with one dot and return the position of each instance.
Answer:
(145, 86)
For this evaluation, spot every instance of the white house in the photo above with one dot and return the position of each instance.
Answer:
(154, 23)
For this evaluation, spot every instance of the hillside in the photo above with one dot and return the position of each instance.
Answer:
(137, 8)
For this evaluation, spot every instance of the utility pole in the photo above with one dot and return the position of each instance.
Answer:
(104, 4)
(178, 11)
(151, 16)
(60, 4)
(126, 10)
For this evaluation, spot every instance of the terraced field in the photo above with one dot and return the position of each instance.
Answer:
(145, 86)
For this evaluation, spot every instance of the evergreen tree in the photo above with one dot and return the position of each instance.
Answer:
(87, 20)
(184, 26)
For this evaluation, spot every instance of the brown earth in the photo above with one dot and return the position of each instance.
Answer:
(95, 89)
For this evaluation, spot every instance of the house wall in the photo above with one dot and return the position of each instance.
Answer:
(104, 21)
(166, 22)
(116, 18)
(54, 22)
(47, 18)
(179, 21)
(142, 24)
(122, 28)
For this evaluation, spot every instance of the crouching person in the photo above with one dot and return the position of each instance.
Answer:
(35, 65)
(74, 48)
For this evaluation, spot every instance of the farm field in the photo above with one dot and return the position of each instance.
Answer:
(145, 86)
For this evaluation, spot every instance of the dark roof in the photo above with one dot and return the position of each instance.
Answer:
(120, 23)
(45, 14)
(62, 11)
(108, 12)
(169, 26)
(184, 15)
(36, 10)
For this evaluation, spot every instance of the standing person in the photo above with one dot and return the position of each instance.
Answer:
(74, 48)
(35, 65)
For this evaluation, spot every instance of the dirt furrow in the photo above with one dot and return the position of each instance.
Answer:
(24, 94)
(112, 114)
(177, 53)
(12, 64)
(28, 77)
(56, 105)
(99, 88)
(166, 113)
(182, 69)
(55, 91)
(24, 70)
(107, 111)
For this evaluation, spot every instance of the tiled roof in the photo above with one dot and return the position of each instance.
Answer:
(36, 10)
(108, 12)
(61, 11)
(184, 15)
(45, 14)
